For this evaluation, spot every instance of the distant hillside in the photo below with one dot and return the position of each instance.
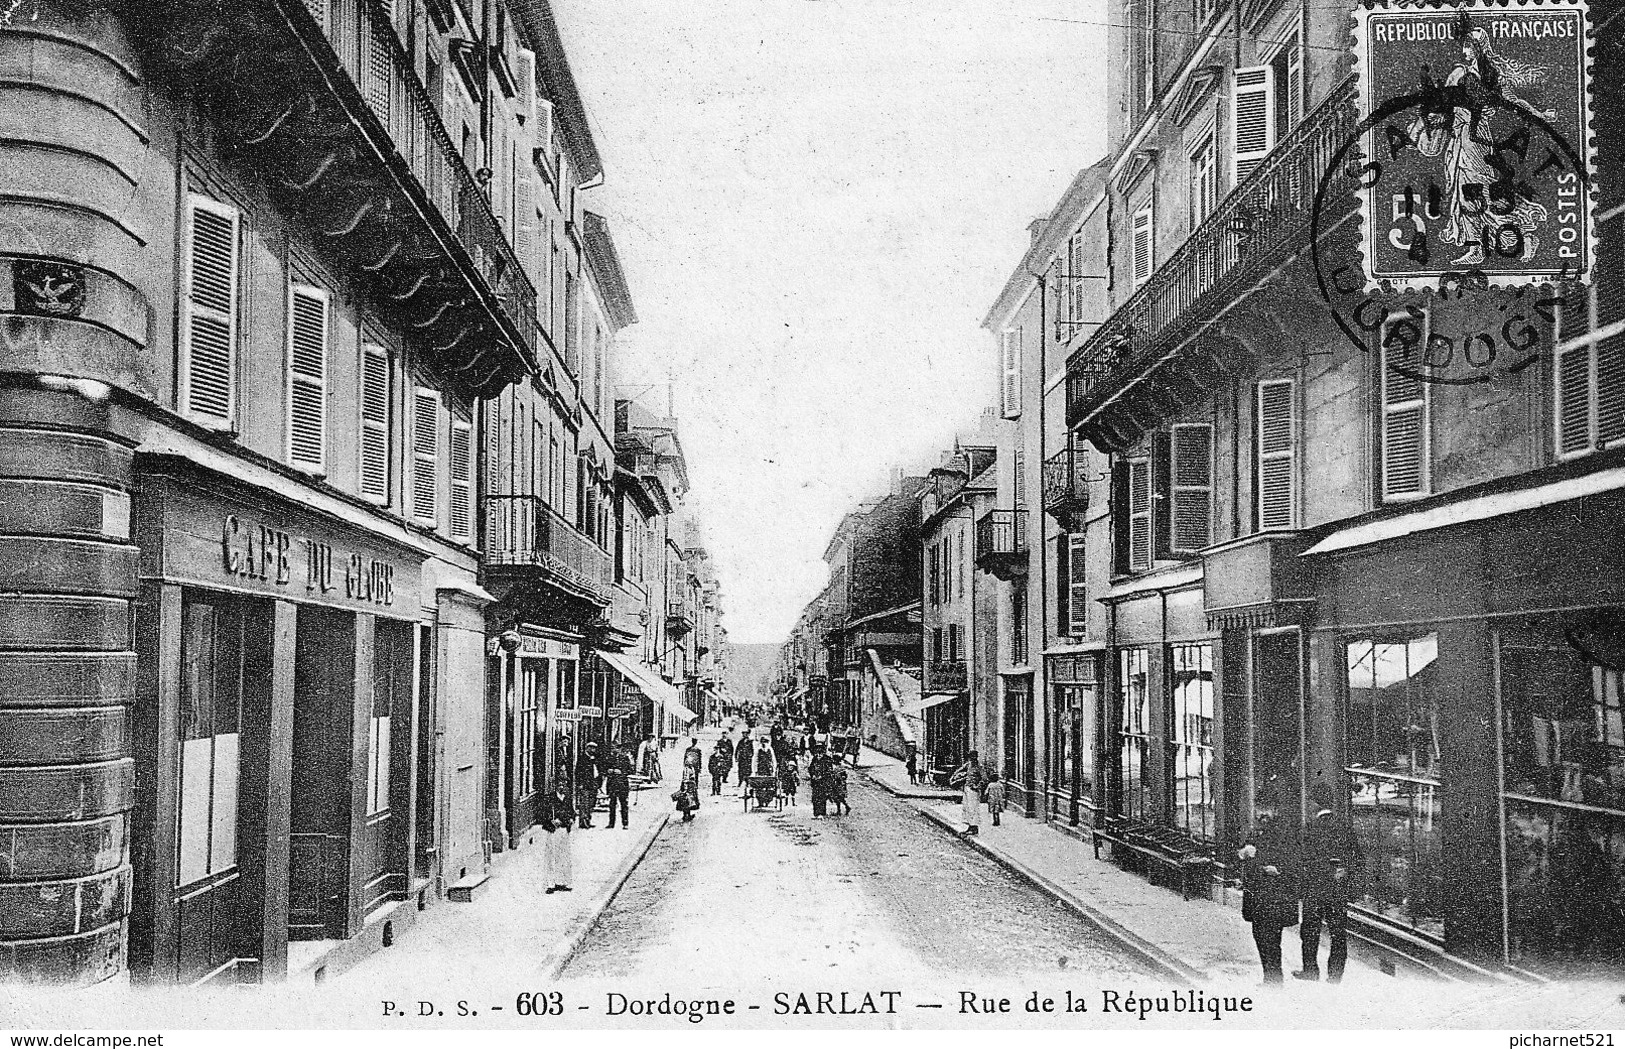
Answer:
(748, 666)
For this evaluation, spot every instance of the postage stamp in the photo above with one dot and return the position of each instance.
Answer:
(1477, 123)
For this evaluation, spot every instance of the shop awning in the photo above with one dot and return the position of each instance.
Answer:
(652, 685)
(920, 705)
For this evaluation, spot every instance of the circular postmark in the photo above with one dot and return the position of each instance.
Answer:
(1474, 201)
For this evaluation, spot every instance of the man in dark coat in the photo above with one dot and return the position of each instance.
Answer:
(818, 776)
(586, 784)
(1269, 890)
(1332, 862)
(618, 783)
(725, 747)
(742, 755)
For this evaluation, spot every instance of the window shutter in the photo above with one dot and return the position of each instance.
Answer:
(375, 403)
(1611, 389)
(1139, 514)
(1192, 476)
(1252, 119)
(1404, 430)
(1162, 496)
(1020, 466)
(1063, 590)
(524, 232)
(1574, 400)
(1294, 81)
(307, 376)
(1077, 576)
(1144, 245)
(1011, 353)
(1277, 454)
(425, 455)
(208, 379)
(461, 470)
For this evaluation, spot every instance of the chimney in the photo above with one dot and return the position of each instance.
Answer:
(1036, 227)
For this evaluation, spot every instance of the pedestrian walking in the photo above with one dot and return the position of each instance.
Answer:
(587, 773)
(558, 815)
(994, 795)
(742, 758)
(837, 787)
(1269, 894)
(725, 747)
(818, 772)
(789, 778)
(971, 779)
(721, 761)
(618, 784)
(912, 764)
(649, 758)
(688, 793)
(1332, 866)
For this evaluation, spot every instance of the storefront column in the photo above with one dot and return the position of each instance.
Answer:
(273, 900)
(360, 743)
(1470, 796)
(158, 664)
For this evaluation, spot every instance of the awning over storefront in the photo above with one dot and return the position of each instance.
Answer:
(916, 707)
(652, 685)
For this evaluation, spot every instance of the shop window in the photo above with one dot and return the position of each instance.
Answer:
(209, 732)
(1563, 778)
(1395, 775)
(208, 356)
(1190, 741)
(1133, 733)
(391, 692)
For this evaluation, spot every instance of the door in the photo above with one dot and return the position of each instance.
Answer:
(423, 861)
(225, 660)
(323, 725)
(1277, 724)
(389, 734)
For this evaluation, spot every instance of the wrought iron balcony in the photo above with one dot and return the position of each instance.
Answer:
(946, 675)
(321, 98)
(1065, 490)
(679, 617)
(523, 533)
(1001, 543)
(1252, 229)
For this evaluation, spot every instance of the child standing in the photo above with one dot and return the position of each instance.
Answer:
(837, 789)
(912, 763)
(995, 796)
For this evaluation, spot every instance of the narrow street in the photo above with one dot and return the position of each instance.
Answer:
(778, 900)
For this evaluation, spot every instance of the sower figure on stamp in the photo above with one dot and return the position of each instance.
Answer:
(1269, 890)
(1332, 865)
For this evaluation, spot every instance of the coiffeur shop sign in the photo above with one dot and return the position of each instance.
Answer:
(272, 555)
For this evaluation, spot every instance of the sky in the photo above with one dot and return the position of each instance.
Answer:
(816, 202)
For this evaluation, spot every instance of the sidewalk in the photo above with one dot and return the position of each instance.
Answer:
(1198, 938)
(514, 927)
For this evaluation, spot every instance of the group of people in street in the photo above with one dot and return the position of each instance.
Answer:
(569, 803)
(768, 764)
(978, 785)
(1288, 878)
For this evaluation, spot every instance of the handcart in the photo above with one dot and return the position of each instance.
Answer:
(765, 789)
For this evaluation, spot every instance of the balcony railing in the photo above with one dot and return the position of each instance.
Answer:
(1064, 486)
(523, 531)
(946, 675)
(368, 47)
(1001, 542)
(1260, 218)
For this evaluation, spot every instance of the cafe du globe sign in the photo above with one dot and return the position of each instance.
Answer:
(1477, 144)
(271, 555)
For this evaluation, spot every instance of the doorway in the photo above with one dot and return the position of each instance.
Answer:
(382, 845)
(323, 726)
(1277, 724)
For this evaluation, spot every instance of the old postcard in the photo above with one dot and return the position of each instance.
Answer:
(527, 516)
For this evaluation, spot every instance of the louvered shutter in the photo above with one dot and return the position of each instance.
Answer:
(380, 65)
(1611, 389)
(307, 376)
(1020, 466)
(1063, 591)
(1139, 514)
(1010, 353)
(1573, 388)
(1144, 245)
(1077, 586)
(1294, 81)
(425, 456)
(208, 379)
(524, 234)
(375, 404)
(1277, 455)
(460, 467)
(1404, 430)
(1252, 119)
(1191, 467)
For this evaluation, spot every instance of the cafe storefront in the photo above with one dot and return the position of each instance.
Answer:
(296, 730)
